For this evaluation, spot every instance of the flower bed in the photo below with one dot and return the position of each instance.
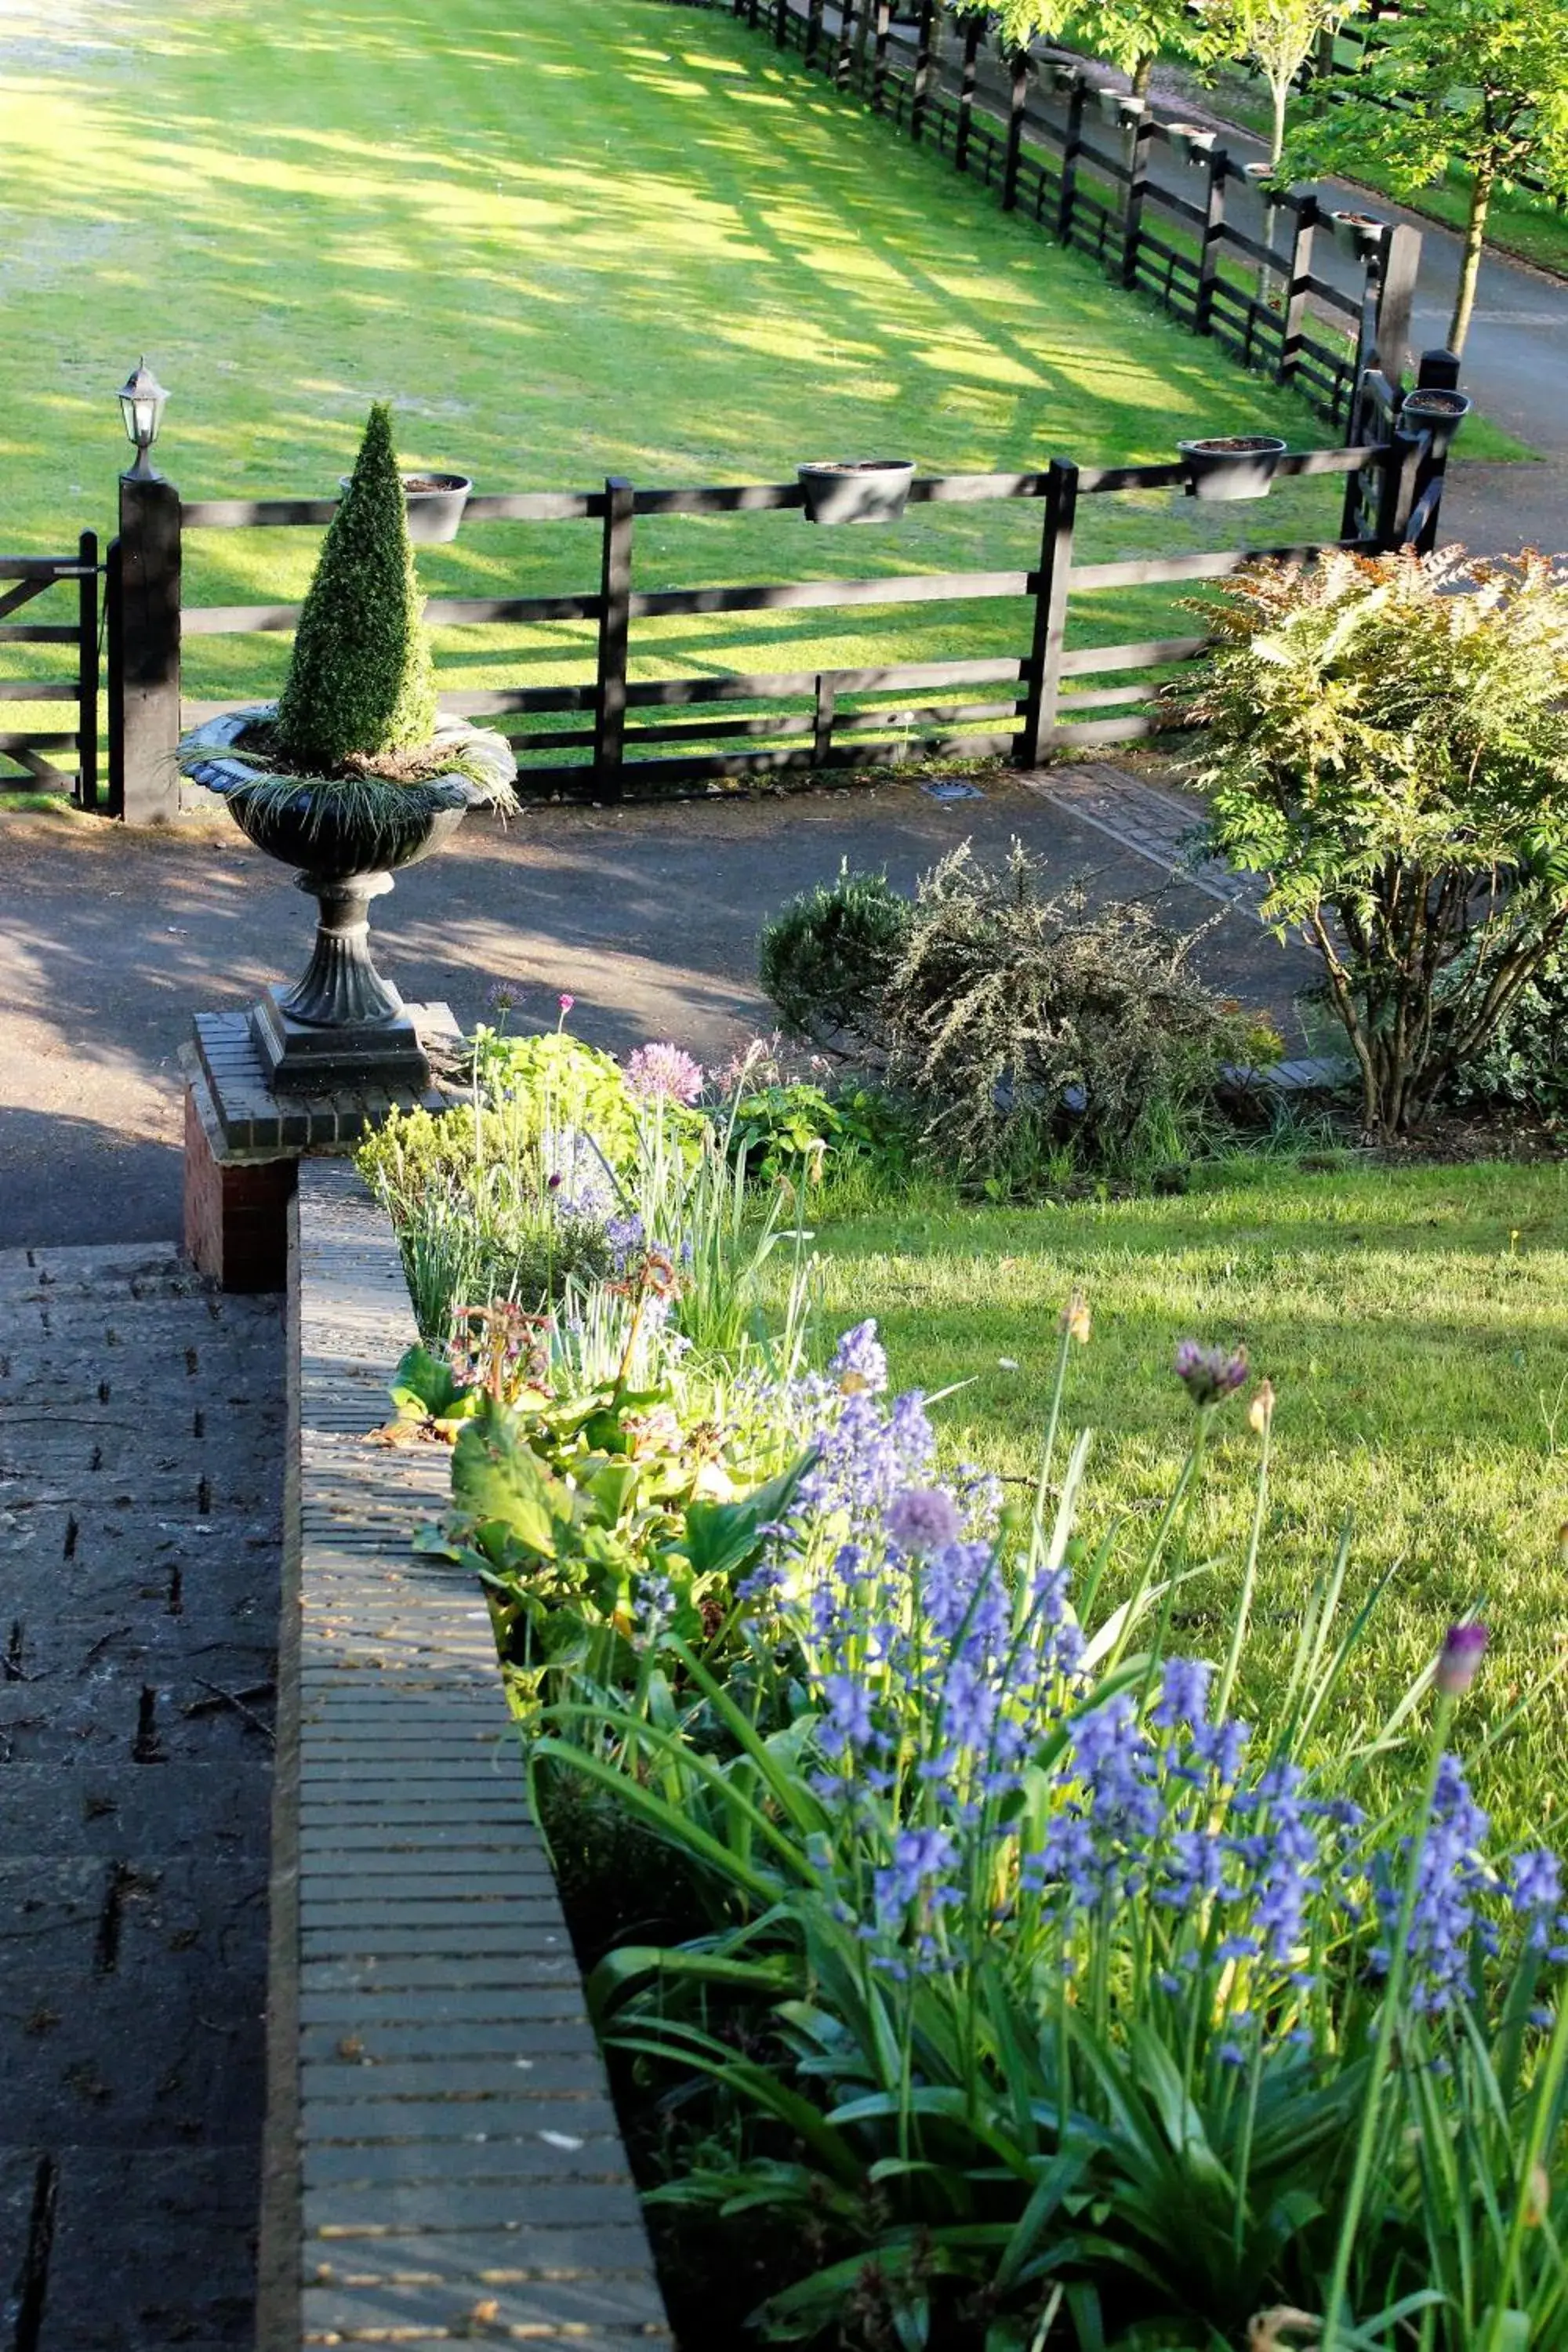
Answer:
(972, 1976)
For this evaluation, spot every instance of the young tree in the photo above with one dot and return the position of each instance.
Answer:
(1480, 83)
(1277, 36)
(1128, 34)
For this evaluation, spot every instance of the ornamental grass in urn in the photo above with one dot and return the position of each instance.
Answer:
(350, 775)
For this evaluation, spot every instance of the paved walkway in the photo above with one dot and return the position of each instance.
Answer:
(648, 916)
(139, 1465)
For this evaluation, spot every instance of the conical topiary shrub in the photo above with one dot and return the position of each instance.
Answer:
(361, 680)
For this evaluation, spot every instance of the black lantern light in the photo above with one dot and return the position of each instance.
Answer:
(141, 399)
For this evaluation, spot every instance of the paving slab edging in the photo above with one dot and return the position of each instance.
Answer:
(443, 2163)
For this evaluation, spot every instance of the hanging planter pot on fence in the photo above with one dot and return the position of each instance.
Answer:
(1193, 145)
(1357, 234)
(855, 490)
(1118, 109)
(435, 504)
(1432, 408)
(1240, 466)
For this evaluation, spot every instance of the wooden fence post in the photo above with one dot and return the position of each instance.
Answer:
(1395, 301)
(1294, 319)
(822, 717)
(114, 699)
(842, 62)
(1043, 681)
(614, 636)
(1438, 371)
(149, 649)
(1213, 244)
(922, 71)
(813, 30)
(1133, 204)
(1017, 99)
(880, 65)
(87, 672)
(1072, 145)
(973, 26)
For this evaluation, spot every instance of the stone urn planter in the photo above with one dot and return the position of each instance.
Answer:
(1237, 466)
(342, 1024)
(855, 490)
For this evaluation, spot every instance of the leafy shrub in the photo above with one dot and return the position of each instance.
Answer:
(552, 1084)
(827, 957)
(361, 680)
(1524, 1064)
(801, 1132)
(1026, 1027)
(1388, 743)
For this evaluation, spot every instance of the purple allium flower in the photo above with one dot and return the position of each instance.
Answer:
(922, 1519)
(566, 1001)
(859, 1362)
(1209, 1374)
(662, 1073)
(504, 994)
(1459, 1659)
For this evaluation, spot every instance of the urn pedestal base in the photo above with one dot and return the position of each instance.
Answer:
(301, 1058)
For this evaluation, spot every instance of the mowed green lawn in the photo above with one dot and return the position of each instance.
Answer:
(566, 243)
(1414, 1324)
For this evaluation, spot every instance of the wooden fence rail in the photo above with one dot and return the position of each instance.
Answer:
(1078, 159)
(624, 732)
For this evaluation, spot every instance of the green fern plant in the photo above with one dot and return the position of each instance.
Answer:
(361, 681)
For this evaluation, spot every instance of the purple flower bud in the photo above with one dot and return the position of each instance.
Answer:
(1208, 1374)
(1459, 1660)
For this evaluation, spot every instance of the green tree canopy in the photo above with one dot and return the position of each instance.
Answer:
(361, 680)
(1277, 36)
(1482, 84)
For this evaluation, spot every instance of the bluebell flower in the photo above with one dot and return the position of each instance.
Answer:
(1184, 1693)
(861, 1361)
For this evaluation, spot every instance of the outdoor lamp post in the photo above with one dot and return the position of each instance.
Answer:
(141, 399)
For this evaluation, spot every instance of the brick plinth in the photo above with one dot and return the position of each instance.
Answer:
(237, 1211)
(244, 1143)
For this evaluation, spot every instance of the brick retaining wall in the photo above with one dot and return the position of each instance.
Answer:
(443, 2160)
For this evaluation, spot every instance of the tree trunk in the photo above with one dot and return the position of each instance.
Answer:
(1280, 93)
(1470, 266)
(1141, 74)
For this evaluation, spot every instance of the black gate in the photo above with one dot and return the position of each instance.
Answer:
(44, 755)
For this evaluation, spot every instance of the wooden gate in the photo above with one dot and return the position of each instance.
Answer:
(42, 754)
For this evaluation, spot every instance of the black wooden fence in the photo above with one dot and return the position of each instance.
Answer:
(1078, 159)
(52, 758)
(1020, 706)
